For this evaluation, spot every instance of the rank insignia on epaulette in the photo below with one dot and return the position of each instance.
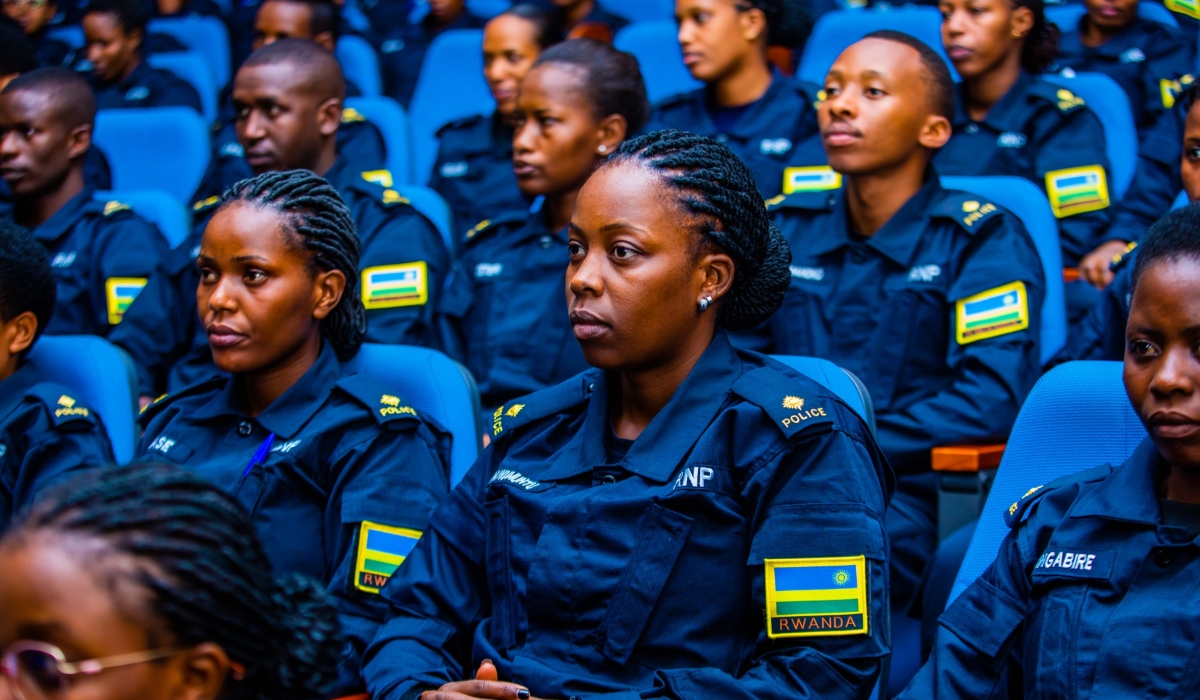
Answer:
(67, 408)
(383, 178)
(1170, 89)
(1068, 100)
(816, 597)
(113, 207)
(774, 200)
(514, 410)
(381, 550)
(1077, 190)
(811, 179)
(390, 406)
(351, 115)
(205, 203)
(795, 403)
(394, 197)
(120, 293)
(390, 286)
(998, 311)
(478, 227)
(975, 211)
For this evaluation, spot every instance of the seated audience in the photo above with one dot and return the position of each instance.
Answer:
(34, 18)
(402, 45)
(587, 19)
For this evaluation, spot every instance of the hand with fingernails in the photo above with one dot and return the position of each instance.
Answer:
(485, 686)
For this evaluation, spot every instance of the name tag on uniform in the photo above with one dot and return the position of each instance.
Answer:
(455, 169)
(810, 274)
(1075, 563)
(817, 597)
(517, 480)
(138, 93)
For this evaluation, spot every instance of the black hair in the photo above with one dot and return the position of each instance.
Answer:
(315, 212)
(321, 71)
(131, 14)
(613, 83)
(69, 93)
(326, 16)
(1041, 43)
(1176, 235)
(196, 553)
(718, 187)
(789, 22)
(27, 282)
(1187, 98)
(549, 25)
(16, 53)
(938, 81)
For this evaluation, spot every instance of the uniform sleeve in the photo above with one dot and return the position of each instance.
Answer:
(361, 143)
(1169, 62)
(1074, 172)
(177, 93)
(130, 250)
(1101, 333)
(1155, 184)
(56, 450)
(994, 366)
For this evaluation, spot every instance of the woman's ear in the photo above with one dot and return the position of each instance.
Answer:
(610, 134)
(328, 288)
(19, 332)
(753, 23)
(202, 672)
(717, 270)
(1022, 21)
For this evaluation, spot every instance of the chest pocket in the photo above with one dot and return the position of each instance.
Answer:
(910, 342)
(289, 514)
(793, 327)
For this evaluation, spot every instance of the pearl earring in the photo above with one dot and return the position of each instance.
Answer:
(603, 148)
(704, 304)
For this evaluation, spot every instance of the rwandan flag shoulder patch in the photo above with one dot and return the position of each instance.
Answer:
(811, 179)
(997, 311)
(381, 550)
(821, 597)
(1077, 190)
(1187, 8)
(389, 286)
(120, 292)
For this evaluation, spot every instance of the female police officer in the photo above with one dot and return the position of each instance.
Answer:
(642, 527)
(1102, 562)
(339, 474)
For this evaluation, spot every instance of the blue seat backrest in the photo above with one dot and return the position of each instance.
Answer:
(436, 386)
(641, 10)
(1067, 16)
(172, 218)
(655, 44)
(192, 68)
(431, 204)
(70, 34)
(1180, 201)
(1027, 202)
(360, 64)
(158, 148)
(487, 9)
(102, 375)
(1110, 104)
(1077, 417)
(841, 382)
(205, 35)
(451, 86)
(387, 114)
(838, 29)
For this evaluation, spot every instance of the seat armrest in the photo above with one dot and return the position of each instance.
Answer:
(1071, 274)
(966, 458)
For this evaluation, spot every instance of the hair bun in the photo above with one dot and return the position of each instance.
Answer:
(759, 285)
(310, 641)
(789, 22)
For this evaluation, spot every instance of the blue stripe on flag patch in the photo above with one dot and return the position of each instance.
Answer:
(819, 578)
(992, 303)
(386, 542)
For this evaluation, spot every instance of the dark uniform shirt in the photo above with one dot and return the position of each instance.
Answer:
(102, 254)
(51, 52)
(45, 435)
(474, 171)
(1187, 15)
(1045, 134)
(1090, 596)
(399, 247)
(599, 24)
(777, 131)
(145, 87)
(704, 563)
(402, 51)
(1101, 334)
(339, 474)
(1156, 182)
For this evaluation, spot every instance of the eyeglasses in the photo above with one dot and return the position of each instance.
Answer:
(37, 671)
(22, 4)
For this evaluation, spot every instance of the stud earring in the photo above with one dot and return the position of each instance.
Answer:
(602, 148)
(704, 304)
(1016, 34)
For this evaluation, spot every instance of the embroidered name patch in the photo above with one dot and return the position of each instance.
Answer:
(381, 550)
(817, 597)
(811, 179)
(389, 286)
(1077, 563)
(121, 291)
(1077, 190)
(995, 312)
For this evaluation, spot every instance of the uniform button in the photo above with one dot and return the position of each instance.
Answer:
(722, 138)
(592, 386)
(1164, 557)
(244, 428)
(972, 129)
(608, 479)
(545, 242)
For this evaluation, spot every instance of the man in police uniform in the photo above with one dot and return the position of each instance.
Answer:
(931, 297)
(289, 100)
(101, 251)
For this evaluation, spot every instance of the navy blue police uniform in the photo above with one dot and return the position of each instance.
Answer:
(402, 51)
(474, 172)
(339, 474)
(938, 313)
(1096, 566)
(598, 24)
(1187, 15)
(145, 86)
(1156, 182)
(403, 266)
(102, 253)
(735, 549)
(51, 52)
(776, 136)
(96, 174)
(1101, 334)
(46, 434)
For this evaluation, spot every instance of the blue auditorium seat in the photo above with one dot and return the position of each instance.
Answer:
(204, 35)
(655, 44)
(159, 148)
(1078, 416)
(71, 34)
(838, 29)
(451, 86)
(641, 10)
(173, 219)
(1067, 16)
(1029, 204)
(431, 204)
(360, 64)
(102, 375)
(487, 9)
(1180, 201)
(194, 69)
(436, 386)
(389, 116)
(841, 382)
(1109, 102)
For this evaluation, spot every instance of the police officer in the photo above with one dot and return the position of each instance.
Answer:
(101, 251)
(766, 118)
(289, 99)
(402, 45)
(46, 432)
(339, 473)
(34, 18)
(724, 501)
(1079, 585)
(931, 297)
(575, 106)
(473, 171)
(120, 76)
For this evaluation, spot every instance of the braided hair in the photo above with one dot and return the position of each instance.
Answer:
(314, 211)
(195, 552)
(718, 187)
(1041, 43)
(789, 22)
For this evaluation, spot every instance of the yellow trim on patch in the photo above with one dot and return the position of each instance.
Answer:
(1077, 190)
(816, 178)
(383, 178)
(815, 612)
(392, 286)
(120, 293)
(1187, 8)
(114, 206)
(998, 311)
(363, 576)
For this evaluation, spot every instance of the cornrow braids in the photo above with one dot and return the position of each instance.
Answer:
(315, 212)
(196, 553)
(718, 187)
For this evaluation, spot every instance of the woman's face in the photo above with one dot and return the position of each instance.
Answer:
(634, 281)
(555, 146)
(112, 51)
(509, 49)
(1162, 358)
(979, 35)
(717, 36)
(1190, 167)
(260, 301)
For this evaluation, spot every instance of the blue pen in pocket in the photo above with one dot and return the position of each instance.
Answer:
(260, 455)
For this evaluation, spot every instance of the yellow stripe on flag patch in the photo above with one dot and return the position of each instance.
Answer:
(381, 550)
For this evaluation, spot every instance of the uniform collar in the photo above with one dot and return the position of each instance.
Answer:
(13, 389)
(535, 227)
(664, 443)
(758, 117)
(899, 238)
(291, 411)
(65, 218)
(1133, 37)
(1005, 115)
(342, 176)
(136, 76)
(1130, 493)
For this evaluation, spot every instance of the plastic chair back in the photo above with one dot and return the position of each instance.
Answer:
(431, 204)
(1181, 201)
(157, 148)
(103, 376)
(172, 218)
(194, 69)
(204, 35)
(436, 386)
(655, 44)
(451, 86)
(1110, 104)
(1077, 417)
(487, 9)
(1067, 16)
(392, 121)
(641, 10)
(840, 381)
(360, 64)
(838, 29)
(71, 34)
(1023, 199)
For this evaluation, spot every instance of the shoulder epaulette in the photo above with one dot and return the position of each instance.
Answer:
(114, 207)
(811, 93)
(385, 407)
(383, 178)
(61, 404)
(792, 403)
(206, 204)
(458, 124)
(483, 228)
(167, 399)
(1019, 511)
(970, 211)
(1120, 259)
(351, 115)
(815, 201)
(1064, 99)
(510, 416)
(1171, 89)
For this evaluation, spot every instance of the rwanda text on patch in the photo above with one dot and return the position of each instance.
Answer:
(381, 550)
